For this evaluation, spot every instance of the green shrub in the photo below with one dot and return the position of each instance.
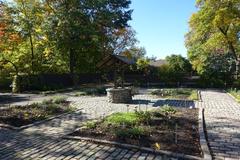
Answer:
(119, 119)
(194, 95)
(91, 125)
(143, 116)
(134, 132)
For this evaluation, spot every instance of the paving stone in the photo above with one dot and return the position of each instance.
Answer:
(44, 141)
(222, 118)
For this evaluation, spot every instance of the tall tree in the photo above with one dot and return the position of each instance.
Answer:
(123, 40)
(213, 29)
(178, 64)
(84, 29)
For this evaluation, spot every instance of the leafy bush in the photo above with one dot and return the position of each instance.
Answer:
(143, 116)
(119, 119)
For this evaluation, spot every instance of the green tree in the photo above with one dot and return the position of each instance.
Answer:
(138, 52)
(83, 30)
(177, 63)
(176, 69)
(214, 29)
(218, 69)
(27, 18)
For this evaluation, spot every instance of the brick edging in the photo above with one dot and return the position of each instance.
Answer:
(202, 136)
(129, 146)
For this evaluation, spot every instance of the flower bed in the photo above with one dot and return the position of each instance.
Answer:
(177, 93)
(24, 115)
(172, 129)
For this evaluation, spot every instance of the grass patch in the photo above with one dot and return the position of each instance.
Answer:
(135, 132)
(23, 115)
(235, 93)
(177, 93)
(130, 119)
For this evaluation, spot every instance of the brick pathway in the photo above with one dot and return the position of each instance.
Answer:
(44, 141)
(21, 146)
(222, 117)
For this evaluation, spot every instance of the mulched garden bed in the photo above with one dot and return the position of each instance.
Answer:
(24, 115)
(157, 131)
(177, 93)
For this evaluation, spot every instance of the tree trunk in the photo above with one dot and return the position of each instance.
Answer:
(71, 61)
(233, 52)
(231, 49)
(32, 52)
(72, 68)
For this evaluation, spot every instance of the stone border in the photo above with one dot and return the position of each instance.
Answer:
(129, 146)
(202, 136)
(6, 126)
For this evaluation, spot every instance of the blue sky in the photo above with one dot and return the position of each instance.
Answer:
(161, 25)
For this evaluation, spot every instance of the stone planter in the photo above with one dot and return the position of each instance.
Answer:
(119, 95)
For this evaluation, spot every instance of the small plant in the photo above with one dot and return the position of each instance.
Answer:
(91, 125)
(119, 119)
(168, 111)
(144, 117)
(59, 99)
(53, 108)
(194, 95)
(80, 94)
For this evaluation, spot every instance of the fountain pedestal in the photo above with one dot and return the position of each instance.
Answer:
(119, 95)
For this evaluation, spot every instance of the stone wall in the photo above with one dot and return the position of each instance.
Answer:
(119, 95)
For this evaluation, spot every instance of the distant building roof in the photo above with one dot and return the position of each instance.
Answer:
(126, 59)
(157, 63)
(113, 60)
